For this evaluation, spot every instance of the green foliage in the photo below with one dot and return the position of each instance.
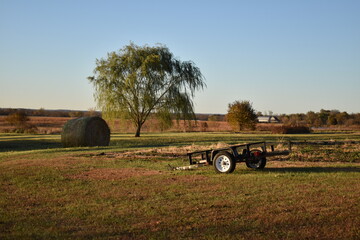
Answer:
(164, 118)
(322, 118)
(324, 115)
(241, 115)
(138, 81)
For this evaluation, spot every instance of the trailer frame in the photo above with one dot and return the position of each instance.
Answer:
(253, 154)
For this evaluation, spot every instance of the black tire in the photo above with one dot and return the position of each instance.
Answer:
(224, 162)
(256, 160)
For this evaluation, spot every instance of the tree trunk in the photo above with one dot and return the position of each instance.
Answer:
(138, 128)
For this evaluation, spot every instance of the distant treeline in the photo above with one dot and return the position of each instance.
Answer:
(74, 113)
(311, 119)
(322, 118)
(48, 113)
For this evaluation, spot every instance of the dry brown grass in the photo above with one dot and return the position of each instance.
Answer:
(152, 125)
(53, 125)
(114, 174)
(158, 153)
(347, 152)
(130, 194)
(44, 125)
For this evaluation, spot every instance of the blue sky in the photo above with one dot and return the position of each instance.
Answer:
(283, 56)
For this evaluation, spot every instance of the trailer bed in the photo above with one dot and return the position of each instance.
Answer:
(225, 159)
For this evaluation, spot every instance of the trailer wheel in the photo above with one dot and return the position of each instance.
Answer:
(256, 160)
(224, 162)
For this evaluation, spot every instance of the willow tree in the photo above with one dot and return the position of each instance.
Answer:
(139, 81)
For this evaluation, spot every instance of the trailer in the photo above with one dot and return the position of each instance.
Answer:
(224, 159)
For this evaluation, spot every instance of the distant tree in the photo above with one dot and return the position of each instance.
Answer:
(17, 119)
(241, 115)
(76, 114)
(40, 112)
(324, 115)
(332, 120)
(311, 118)
(92, 113)
(356, 118)
(215, 117)
(20, 121)
(138, 81)
(297, 119)
(204, 126)
(342, 117)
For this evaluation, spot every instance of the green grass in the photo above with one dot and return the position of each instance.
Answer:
(23, 142)
(48, 192)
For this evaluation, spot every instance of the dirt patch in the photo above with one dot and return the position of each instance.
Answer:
(115, 173)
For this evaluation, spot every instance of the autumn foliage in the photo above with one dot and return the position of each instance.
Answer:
(241, 115)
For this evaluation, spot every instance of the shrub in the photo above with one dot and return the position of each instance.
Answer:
(20, 120)
(17, 119)
(290, 129)
(241, 115)
(204, 126)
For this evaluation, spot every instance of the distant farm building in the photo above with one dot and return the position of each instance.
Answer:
(268, 119)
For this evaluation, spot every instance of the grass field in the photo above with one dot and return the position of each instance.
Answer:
(126, 191)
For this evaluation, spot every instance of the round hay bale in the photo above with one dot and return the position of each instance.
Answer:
(85, 132)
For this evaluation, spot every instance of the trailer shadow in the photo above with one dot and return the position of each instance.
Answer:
(347, 169)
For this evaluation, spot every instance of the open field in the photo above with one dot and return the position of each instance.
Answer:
(126, 191)
(53, 125)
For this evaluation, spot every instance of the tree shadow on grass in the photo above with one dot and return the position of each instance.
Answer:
(26, 145)
(34, 143)
(30, 145)
(312, 169)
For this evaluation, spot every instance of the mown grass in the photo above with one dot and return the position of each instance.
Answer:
(56, 193)
(23, 142)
